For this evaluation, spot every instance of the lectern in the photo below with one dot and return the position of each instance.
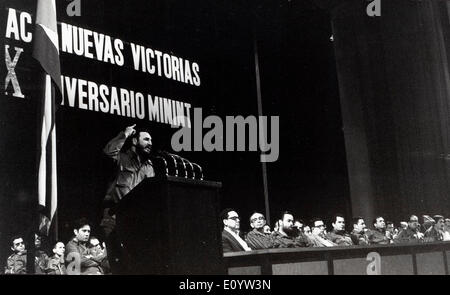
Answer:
(170, 225)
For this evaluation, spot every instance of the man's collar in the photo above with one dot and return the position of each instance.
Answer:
(258, 231)
(76, 241)
(231, 231)
(133, 154)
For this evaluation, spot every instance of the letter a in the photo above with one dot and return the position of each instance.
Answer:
(74, 8)
(374, 8)
(374, 267)
(182, 286)
(181, 139)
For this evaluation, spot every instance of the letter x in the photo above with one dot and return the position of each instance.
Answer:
(11, 76)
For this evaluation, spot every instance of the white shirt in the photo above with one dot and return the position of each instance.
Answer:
(446, 236)
(238, 238)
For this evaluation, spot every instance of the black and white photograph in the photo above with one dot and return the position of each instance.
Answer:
(229, 139)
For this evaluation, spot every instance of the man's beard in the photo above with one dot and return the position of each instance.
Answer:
(143, 152)
(291, 231)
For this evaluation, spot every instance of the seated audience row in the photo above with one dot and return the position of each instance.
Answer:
(83, 254)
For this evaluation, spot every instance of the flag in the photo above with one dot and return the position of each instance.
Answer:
(46, 52)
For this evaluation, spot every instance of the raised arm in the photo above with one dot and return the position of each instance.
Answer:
(113, 147)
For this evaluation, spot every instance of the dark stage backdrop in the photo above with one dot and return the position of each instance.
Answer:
(298, 84)
(394, 90)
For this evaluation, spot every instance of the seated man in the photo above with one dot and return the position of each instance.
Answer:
(231, 240)
(78, 256)
(287, 235)
(391, 231)
(338, 234)
(428, 222)
(257, 238)
(17, 262)
(447, 229)
(378, 235)
(403, 225)
(436, 232)
(298, 223)
(307, 230)
(412, 233)
(99, 253)
(318, 237)
(55, 265)
(40, 254)
(358, 233)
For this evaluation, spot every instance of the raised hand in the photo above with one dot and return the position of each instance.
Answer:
(130, 130)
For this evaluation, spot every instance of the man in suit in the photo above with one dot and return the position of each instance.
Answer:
(231, 240)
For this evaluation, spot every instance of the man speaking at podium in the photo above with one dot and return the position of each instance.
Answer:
(132, 164)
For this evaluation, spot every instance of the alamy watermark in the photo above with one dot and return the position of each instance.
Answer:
(374, 8)
(374, 266)
(74, 8)
(251, 135)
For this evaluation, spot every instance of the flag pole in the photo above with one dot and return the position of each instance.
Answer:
(54, 186)
(46, 52)
(260, 113)
(35, 207)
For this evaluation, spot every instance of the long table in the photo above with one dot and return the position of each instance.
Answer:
(396, 259)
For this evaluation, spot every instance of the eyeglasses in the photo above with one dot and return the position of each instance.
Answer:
(234, 218)
(19, 243)
(258, 218)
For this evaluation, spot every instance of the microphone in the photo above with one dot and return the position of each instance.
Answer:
(200, 169)
(174, 161)
(164, 163)
(192, 168)
(184, 162)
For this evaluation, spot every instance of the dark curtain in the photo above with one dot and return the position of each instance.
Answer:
(394, 88)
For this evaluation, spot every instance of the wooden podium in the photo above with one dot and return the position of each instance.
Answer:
(170, 225)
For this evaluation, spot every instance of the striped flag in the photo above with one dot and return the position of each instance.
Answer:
(46, 52)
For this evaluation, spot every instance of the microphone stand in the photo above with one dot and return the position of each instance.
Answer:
(165, 164)
(200, 169)
(192, 167)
